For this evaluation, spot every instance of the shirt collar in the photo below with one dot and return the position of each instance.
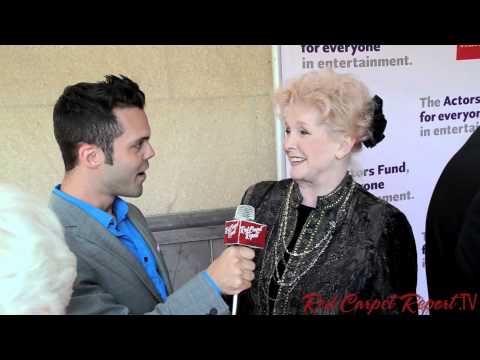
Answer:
(119, 208)
(325, 200)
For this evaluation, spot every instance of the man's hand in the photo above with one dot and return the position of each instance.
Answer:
(232, 271)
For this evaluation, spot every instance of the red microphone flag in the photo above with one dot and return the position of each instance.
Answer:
(245, 233)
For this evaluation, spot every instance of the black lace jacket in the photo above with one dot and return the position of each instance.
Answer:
(365, 267)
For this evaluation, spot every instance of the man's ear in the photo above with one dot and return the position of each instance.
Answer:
(345, 146)
(90, 156)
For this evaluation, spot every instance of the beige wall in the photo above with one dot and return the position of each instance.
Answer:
(209, 109)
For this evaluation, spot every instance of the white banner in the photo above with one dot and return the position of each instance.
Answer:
(431, 100)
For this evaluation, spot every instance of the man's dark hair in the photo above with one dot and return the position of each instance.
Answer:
(84, 114)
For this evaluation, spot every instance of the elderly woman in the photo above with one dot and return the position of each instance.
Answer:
(37, 269)
(332, 247)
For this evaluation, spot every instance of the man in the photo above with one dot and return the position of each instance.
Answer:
(103, 134)
(37, 269)
(452, 238)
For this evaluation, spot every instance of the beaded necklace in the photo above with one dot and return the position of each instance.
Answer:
(293, 273)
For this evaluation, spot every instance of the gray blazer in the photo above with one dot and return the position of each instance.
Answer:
(110, 279)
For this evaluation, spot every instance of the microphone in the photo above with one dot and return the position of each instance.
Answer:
(244, 231)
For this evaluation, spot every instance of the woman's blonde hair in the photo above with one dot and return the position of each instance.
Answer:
(343, 101)
(37, 269)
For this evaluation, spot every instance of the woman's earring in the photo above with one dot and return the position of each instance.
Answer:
(339, 155)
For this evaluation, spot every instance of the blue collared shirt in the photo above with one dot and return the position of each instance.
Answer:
(121, 227)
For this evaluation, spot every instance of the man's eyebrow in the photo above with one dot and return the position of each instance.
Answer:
(139, 140)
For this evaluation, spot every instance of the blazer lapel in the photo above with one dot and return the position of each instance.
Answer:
(154, 247)
(73, 218)
(117, 249)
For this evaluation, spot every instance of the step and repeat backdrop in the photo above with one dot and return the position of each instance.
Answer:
(431, 100)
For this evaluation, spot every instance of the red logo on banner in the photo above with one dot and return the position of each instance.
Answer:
(468, 52)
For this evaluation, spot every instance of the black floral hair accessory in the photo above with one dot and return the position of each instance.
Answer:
(379, 123)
